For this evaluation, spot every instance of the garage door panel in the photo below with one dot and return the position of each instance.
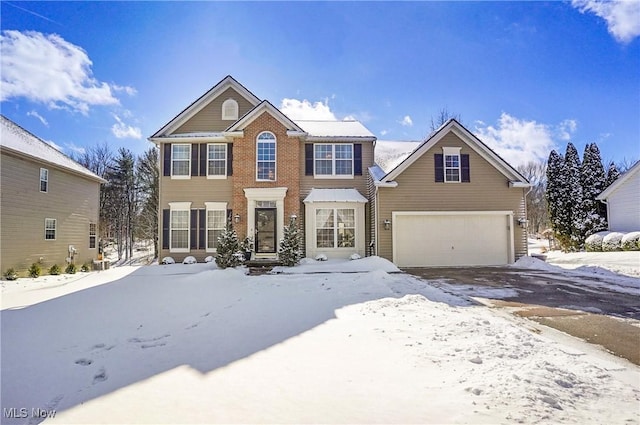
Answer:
(451, 240)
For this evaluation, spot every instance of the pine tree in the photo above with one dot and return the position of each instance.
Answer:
(290, 251)
(612, 174)
(593, 180)
(557, 198)
(574, 193)
(228, 254)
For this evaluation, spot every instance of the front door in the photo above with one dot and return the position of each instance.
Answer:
(266, 230)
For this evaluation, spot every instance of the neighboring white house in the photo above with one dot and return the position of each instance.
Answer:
(623, 201)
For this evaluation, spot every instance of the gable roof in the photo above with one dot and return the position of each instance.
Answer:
(264, 106)
(203, 101)
(16, 139)
(334, 195)
(515, 178)
(621, 181)
(324, 130)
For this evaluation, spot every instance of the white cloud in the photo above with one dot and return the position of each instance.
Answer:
(38, 116)
(123, 131)
(54, 145)
(566, 129)
(622, 16)
(127, 89)
(48, 69)
(406, 121)
(520, 141)
(75, 148)
(383, 132)
(305, 110)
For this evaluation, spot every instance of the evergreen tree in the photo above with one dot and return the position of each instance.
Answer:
(122, 198)
(593, 180)
(148, 177)
(612, 174)
(290, 251)
(574, 192)
(557, 199)
(228, 254)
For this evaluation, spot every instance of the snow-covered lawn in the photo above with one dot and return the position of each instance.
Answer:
(193, 344)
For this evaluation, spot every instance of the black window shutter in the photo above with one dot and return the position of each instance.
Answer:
(466, 173)
(202, 228)
(229, 159)
(165, 229)
(166, 171)
(203, 159)
(194, 160)
(357, 159)
(230, 216)
(308, 159)
(439, 166)
(193, 244)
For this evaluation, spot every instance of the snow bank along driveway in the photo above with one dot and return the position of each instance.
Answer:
(192, 344)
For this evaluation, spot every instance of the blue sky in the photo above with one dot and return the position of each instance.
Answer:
(526, 77)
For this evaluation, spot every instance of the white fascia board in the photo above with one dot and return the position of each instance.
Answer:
(519, 184)
(340, 139)
(619, 182)
(296, 133)
(233, 133)
(190, 139)
(385, 184)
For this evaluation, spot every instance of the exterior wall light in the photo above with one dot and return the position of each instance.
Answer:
(387, 224)
(293, 217)
(237, 218)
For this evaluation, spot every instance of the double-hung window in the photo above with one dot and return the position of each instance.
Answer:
(216, 160)
(335, 228)
(50, 229)
(333, 160)
(451, 157)
(216, 222)
(92, 235)
(181, 160)
(44, 180)
(266, 157)
(179, 239)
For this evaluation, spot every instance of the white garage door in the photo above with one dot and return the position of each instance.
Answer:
(425, 239)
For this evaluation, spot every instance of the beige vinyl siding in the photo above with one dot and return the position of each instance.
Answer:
(417, 191)
(71, 200)
(210, 117)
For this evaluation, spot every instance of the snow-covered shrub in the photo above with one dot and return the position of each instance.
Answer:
(168, 260)
(85, 268)
(290, 251)
(10, 274)
(209, 259)
(321, 257)
(594, 242)
(34, 270)
(55, 270)
(229, 254)
(355, 256)
(189, 260)
(71, 269)
(612, 242)
(631, 241)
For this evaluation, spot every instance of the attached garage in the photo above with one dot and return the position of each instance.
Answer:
(452, 238)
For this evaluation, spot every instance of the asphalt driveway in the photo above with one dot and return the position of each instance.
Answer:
(585, 306)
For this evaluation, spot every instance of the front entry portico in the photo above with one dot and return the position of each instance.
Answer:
(265, 215)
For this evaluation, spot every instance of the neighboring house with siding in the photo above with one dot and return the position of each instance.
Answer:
(232, 156)
(451, 202)
(50, 203)
(622, 198)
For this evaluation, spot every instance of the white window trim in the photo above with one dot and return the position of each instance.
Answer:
(275, 159)
(46, 180)
(335, 228)
(55, 229)
(310, 229)
(181, 177)
(451, 151)
(180, 206)
(333, 174)
(212, 206)
(226, 116)
(226, 153)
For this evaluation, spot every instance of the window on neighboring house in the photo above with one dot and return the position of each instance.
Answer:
(333, 160)
(92, 235)
(216, 221)
(44, 180)
(335, 228)
(217, 160)
(179, 239)
(180, 160)
(266, 157)
(451, 158)
(50, 229)
(230, 110)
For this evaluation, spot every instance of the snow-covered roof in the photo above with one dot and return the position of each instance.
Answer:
(198, 134)
(15, 138)
(376, 172)
(335, 129)
(621, 181)
(334, 195)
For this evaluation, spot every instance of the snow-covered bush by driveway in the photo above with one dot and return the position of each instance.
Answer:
(631, 241)
(612, 242)
(594, 242)
(189, 260)
(168, 260)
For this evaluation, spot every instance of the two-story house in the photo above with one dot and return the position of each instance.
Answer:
(231, 156)
(50, 203)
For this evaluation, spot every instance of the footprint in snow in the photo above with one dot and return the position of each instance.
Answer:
(101, 376)
(84, 362)
(476, 360)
